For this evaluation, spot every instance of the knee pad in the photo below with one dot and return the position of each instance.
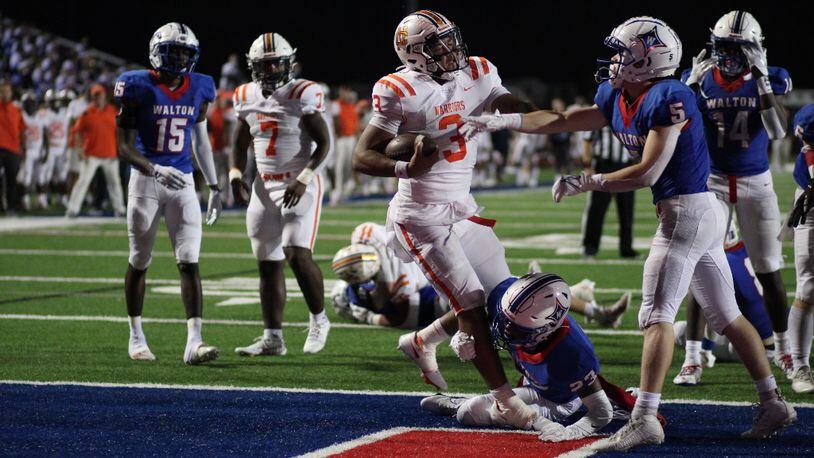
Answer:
(650, 315)
(187, 253)
(140, 260)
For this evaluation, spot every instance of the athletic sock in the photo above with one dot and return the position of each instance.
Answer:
(766, 388)
(194, 330)
(646, 404)
(692, 355)
(433, 334)
(591, 309)
(801, 326)
(321, 316)
(135, 327)
(268, 333)
(781, 342)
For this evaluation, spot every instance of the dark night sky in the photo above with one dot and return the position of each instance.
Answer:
(557, 41)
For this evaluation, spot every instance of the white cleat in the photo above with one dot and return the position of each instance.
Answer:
(770, 416)
(645, 430)
(785, 364)
(317, 336)
(584, 290)
(708, 359)
(200, 352)
(423, 356)
(611, 316)
(690, 375)
(274, 346)
(442, 405)
(139, 351)
(801, 381)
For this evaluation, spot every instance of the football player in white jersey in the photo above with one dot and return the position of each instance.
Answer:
(54, 171)
(433, 218)
(280, 118)
(36, 145)
(76, 107)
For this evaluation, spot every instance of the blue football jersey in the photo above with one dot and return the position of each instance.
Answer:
(164, 118)
(738, 142)
(565, 364)
(664, 103)
(803, 125)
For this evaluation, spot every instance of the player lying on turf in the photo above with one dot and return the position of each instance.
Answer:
(658, 120)
(699, 343)
(529, 318)
(378, 288)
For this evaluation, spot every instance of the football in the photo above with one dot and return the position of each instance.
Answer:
(400, 148)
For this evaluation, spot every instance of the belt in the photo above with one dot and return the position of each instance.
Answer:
(275, 176)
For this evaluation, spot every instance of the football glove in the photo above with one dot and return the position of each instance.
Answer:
(700, 67)
(214, 207)
(463, 345)
(756, 56)
(802, 206)
(473, 125)
(571, 185)
(169, 177)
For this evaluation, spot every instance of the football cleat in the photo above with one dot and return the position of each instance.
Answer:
(708, 359)
(770, 416)
(785, 364)
(200, 353)
(442, 405)
(317, 335)
(611, 316)
(644, 430)
(274, 346)
(139, 351)
(801, 380)
(690, 375)
(423, 355)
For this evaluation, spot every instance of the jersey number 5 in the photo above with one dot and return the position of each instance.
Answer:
(175, 142)
(453, 120)
(265, 126)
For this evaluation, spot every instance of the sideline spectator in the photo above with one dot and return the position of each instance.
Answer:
(12, 138)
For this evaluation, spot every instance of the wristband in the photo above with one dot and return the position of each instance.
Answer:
(401, 169)
(235, 174)
(763, 85)
(513, 120)
(306, 176)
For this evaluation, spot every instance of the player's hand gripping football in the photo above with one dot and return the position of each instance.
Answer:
(214, 207)
(169, 177)
(700, 67)
(756, 56)
(293, 193)
(420, 163)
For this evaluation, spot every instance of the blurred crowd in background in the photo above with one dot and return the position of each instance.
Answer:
(58, 144)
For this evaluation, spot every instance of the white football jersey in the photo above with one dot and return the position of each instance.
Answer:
(76, 107)
(57, 130)
(409, 101)
(34, 131)
(280, 143)
(407, 277)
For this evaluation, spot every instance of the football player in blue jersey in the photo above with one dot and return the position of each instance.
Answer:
(657, 118)
(801, 322)
(740, 98)
(560, 369)
(163, 111)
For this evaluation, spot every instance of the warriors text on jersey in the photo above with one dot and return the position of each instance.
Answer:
(164, 117)
(281, 145)
(738, 142)
(663, 103)
(409, 101)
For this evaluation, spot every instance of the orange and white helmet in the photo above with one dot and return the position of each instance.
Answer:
(271, 60)
(429, 43)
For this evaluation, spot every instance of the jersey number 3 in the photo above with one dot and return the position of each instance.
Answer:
(453, 120)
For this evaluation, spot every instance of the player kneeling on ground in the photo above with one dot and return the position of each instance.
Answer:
(529, 318)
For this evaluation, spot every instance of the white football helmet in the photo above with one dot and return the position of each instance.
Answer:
(174, 49)
(732, 31)
(429, 43)
(356, 263)
(271, 60)
(531, 309)
(646, 48)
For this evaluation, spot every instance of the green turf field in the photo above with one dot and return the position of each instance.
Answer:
(77, 273)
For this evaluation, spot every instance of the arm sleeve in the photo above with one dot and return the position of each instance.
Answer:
(780, 80)
(203, 153)
(388, 113)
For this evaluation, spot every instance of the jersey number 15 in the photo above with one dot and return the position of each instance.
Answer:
(172, 136)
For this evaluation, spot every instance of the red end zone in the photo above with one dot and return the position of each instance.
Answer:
(447, 443)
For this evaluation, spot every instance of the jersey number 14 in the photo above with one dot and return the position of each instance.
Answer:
(739, 132)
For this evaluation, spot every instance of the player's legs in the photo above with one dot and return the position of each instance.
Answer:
(143, 212)
(420, 346)
(300, 226)
(110, 167)
(44, 174)
(625, 207)
(692, 368)
(481, 410)
(801, 322)
(264, 227)
(592, 221)
(86, 173)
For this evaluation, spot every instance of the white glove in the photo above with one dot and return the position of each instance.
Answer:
(756, 56)
(473, 125)
(700, 67)
(463, 345)
(571, 185)
(169, 177)
(343, 310)
(549, 431)
(513, 411)
(360, 314)
(214, 207)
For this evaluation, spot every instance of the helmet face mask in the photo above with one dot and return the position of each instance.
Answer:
(177, 59)
(273, 72)
(445, 52)
(729, 56)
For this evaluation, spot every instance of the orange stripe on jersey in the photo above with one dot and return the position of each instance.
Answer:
(484, 65)
(242, 92)
(294, 89)
(392, 86)
(310, 83)
(474, 67)
(316, 213)
(404, 82)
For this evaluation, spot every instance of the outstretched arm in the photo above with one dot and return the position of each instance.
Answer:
(537, 122)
